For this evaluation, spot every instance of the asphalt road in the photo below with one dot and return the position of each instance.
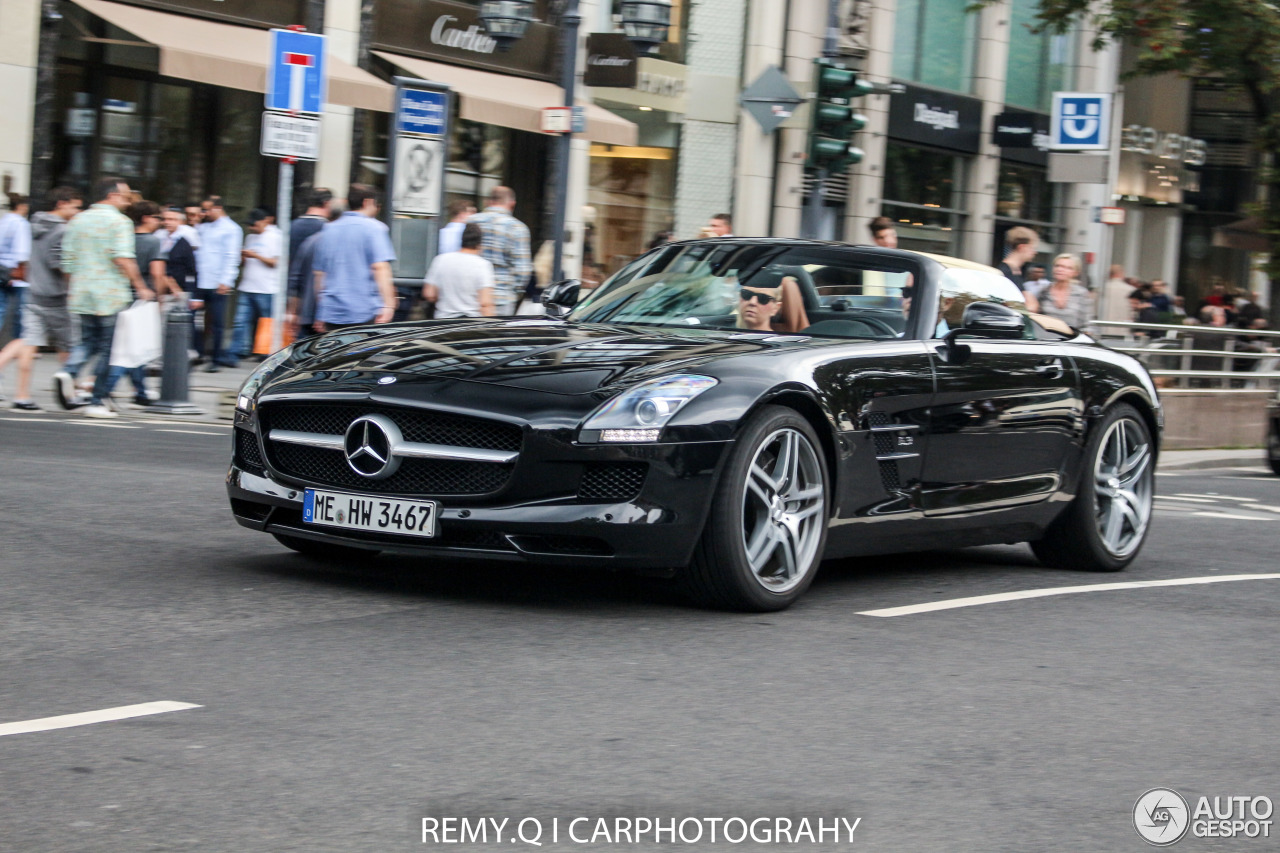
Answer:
(339, 706)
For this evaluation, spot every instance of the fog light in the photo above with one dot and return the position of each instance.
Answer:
(631, 435)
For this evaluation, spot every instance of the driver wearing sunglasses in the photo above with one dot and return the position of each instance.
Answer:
(757, 307)
(763, 309)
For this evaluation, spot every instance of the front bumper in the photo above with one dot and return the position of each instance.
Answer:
(656, 529)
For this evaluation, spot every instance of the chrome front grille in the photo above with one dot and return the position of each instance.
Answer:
(327, 466)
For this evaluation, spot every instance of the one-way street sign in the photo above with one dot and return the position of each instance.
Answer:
(297, 74)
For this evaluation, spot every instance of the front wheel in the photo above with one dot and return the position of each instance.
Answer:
(1106, 524)
(768, 523)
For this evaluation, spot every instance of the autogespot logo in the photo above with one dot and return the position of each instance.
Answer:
(1161, 817)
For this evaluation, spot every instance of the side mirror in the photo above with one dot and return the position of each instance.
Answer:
(559, 298)
(991, 320)
(983, 320)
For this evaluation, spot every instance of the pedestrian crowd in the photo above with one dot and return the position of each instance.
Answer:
(68, 272)
(70, 269)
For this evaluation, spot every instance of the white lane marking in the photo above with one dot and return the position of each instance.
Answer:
(1236, 517)
(1216, 497)
(194, 432)
(973, 601)
(31, 420)
(172, 422)
(1187, 499)
(106, 715)
(102, 424)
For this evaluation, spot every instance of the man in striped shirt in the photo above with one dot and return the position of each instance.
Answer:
(506, 246)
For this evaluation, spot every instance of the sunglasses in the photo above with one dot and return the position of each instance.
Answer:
(763, 298)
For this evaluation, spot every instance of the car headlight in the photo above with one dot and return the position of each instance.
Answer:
(639, 414)
(249, 390)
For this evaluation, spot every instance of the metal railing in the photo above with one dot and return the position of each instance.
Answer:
(1198, 357)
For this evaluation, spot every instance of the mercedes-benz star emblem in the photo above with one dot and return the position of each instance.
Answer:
(370, 445)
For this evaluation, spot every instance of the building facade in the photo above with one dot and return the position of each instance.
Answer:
(167, 93)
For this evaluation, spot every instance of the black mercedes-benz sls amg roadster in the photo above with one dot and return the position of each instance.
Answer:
(733, 411)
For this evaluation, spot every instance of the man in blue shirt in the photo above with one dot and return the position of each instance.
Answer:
(217, 267)
(353, 266)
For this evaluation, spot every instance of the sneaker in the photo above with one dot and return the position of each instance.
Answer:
(143, 400)
(81, 399)
(26, 406)
(211, 367)
(64, 389)
(111, 404)
(99, 411)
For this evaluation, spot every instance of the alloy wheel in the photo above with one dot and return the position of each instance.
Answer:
(1123, 482)
(782, 510)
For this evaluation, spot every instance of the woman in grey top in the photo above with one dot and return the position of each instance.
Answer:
(1066, 298)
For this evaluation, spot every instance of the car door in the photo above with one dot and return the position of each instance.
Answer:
(1006, 419)
(879, 388)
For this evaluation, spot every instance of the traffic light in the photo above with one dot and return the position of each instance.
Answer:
(834, 120)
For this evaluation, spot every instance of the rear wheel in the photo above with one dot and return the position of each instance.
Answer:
(322, 550)
(1106, 524)
(768, 523)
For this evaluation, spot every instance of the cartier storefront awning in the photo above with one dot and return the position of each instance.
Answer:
(231, 56)
(509, 101)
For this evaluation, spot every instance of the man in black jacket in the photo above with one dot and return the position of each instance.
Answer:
(179, 255)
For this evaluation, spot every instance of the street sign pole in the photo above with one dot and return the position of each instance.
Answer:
(284, 206)
(296, 85)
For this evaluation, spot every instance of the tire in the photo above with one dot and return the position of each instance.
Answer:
(322, 550)
(1105, 526)
(768, 508)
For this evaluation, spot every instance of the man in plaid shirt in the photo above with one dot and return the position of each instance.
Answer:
(506, 246)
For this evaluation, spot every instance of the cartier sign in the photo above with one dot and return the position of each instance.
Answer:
(611, 61)
(448, 31)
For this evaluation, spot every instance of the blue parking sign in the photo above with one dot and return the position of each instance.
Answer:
(296, 72)
(1080, 121)
(422, 111)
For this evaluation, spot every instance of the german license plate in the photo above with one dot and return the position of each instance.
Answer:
(361, 512)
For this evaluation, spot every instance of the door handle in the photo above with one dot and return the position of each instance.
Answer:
(1052, 368)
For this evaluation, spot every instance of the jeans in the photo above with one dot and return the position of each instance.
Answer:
(96, 333)
(215, 324)
(250, 308)
(11, 301)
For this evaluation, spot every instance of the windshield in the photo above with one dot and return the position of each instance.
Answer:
(819, 291)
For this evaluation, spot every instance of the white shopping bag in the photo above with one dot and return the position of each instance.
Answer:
(137, 337)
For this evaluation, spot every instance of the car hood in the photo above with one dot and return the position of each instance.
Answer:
(537, 355)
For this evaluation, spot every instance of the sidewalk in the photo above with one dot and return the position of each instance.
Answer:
(213, 393)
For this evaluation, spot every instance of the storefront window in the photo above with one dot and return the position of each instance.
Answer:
(923, 197)
(173, 142)
(1039, 63)
(1026, 198)
(632, 193)
(477, 160)
(933, 43)
(1025, 193)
